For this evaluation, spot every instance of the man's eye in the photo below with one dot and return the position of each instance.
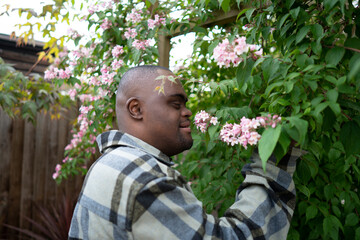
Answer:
(177, 105)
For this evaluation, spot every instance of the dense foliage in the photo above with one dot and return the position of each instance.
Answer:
(302, 63)
(24, 96)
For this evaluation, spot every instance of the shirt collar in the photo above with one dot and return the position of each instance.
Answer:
(113, 138)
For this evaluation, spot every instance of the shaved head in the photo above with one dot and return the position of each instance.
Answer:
(135, 77)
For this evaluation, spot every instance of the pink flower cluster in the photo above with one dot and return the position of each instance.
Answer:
(141, 44)
(243, 133)
(93, 8)
(202, 119)
(134, 16)
(107, 76)
(106, 24)
(269, 120)
(227, 53)
(116, 64)
(157, 21)
(57, 171)
(130, 33)
(52, 73)
(84, 123)
(117, 51)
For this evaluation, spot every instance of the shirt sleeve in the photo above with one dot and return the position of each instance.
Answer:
(263, 208)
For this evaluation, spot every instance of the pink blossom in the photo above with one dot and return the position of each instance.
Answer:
(116, 64)
(151, 24)
(105, 69)
(57, 171)
(134, 16)
(55, 175)
(201, 120)
(117, 51)
(141, 45)
(93, 8)
(49, 74)
(57, 61)
(157, 21)
(107, 5)
(213, 120)
(106, 24)
(72, 93)
(63, 53)
(94, 81)
(227, 54)
(130, 33)
(107, 78)
(58, 167)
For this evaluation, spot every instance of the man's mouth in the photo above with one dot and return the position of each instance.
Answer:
(185, 124)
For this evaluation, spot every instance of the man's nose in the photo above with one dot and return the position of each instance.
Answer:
(187, 112)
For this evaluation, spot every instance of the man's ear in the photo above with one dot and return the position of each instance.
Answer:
(134, 108)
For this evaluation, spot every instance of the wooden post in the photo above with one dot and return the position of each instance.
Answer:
(164, 50)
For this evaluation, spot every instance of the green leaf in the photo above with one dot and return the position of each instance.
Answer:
(329, 191)
(302, 33)
(267, 143)
(289, 3)
(282, 20)
(236, 113)
(311, 212)
(270, 67)
(212, 132)
(351, 220)
(303, 171)
(334, 55)
(357, 233)
(354, 69)
(301, 126)
(350, 137)
(304, 190)
(295, 12)
(212, 46)
(317, 31)
(243, 73)
(329, 4)
(352, 43)
(332, 95)
(225, 5)
(248, 13)
(319, 108)
(335, 107)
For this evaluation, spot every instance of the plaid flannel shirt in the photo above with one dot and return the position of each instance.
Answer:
(131, 192)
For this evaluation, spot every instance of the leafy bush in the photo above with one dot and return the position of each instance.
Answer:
(309, 73)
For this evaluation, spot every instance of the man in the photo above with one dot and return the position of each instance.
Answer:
(131, 192)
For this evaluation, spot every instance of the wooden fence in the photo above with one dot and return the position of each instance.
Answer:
(28, 156)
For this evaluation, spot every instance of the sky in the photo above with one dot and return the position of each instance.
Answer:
(180, 50)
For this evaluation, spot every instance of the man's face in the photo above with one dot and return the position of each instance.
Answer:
(167, 118)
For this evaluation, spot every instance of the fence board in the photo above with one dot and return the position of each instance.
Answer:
(51, 161)
(28, 155)
(5, 155)
(27, 170)
(17, 143)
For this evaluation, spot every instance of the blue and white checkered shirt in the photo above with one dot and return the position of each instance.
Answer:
(131, 192)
